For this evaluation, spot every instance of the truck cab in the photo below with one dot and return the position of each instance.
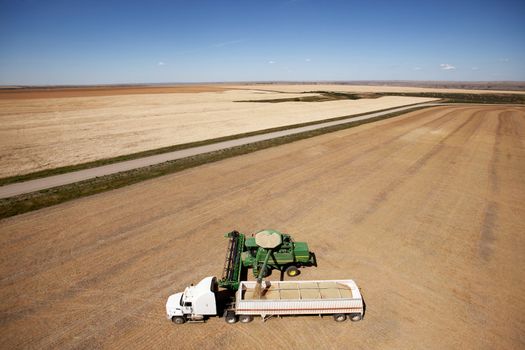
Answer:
(194, 303)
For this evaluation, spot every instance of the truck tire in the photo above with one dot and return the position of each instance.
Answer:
(245, 318)
(292, 271)
(178, 319)
(230, 318)
(355, 317)
(339, 317)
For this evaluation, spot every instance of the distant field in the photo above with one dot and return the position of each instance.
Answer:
(362, 88)
(31, 93)
(40, 133)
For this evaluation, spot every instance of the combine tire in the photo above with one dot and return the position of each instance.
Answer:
(178, 320)
(245, 318)
(355, 317)
(339, 317)
(292, 271)
(230, 318)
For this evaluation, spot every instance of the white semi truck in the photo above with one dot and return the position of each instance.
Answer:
(340, 298)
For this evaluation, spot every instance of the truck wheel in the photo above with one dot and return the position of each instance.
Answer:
(355, 317)
(292, 271)
(178, 319)
(339, 317)
(245, 318)
(230, 318)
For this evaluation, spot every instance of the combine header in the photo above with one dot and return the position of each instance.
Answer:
(231, 274)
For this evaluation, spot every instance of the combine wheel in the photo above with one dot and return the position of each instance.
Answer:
(245, 318)
(339, 317)
(178, 320)
(292, 271)
(355, 317)
(230, 318)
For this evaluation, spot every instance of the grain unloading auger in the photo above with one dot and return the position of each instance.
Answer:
(269, 241)
(254, 252)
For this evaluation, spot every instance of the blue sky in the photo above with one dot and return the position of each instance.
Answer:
(103, 42)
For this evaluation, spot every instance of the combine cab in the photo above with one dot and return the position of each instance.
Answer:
(251, 252)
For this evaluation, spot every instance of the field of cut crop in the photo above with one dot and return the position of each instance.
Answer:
(43, 133)
(424, 211)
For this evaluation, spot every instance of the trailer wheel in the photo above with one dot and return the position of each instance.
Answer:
(292, 271)
(245, 318)
(339, 317)
(355, 317)
(230, 318)
(178, 320)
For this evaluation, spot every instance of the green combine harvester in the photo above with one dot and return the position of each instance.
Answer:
(265, 251)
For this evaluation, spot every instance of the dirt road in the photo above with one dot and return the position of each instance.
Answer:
(424, 211)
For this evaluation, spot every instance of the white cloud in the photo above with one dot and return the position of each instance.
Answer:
(227, 43)
(504, 60)
(271, 62)
(446, 66)
(417, 68)
(160, 63)
(307, 60)
(475, 68)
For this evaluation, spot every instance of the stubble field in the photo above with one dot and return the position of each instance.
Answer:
(40, 133)
(425, 211)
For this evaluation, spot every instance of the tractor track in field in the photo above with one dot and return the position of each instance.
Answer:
(417, 165)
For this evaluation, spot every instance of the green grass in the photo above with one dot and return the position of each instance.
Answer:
(486, 98)
(45, 198)
(321, 97)
(489, 98)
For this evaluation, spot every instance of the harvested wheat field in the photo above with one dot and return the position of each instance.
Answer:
(42, 134)
(81, 91)
(424, 211)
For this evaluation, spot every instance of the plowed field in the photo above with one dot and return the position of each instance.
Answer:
(424, 211)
